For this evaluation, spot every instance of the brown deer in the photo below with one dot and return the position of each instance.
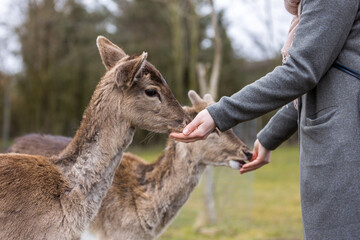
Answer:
(144, 198)
(57, 197)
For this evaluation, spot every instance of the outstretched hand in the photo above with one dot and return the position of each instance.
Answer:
(261, 157)
(202, 125)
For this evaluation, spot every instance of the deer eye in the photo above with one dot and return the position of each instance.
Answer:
(151, 92)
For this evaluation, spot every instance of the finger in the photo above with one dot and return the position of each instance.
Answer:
(192, 126)
(242, 171)
(203, 131)
(178, 135)
(252, 166)
(255, 154)
(189, 140)
(253, 163)
(183, 138)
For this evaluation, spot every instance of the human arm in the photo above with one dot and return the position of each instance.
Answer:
(261, 157)
(279, 128)
(321, 34)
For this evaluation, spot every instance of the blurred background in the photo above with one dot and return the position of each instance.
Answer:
(49, 67)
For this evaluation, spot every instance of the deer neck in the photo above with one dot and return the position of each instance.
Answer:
(90, 160)
(177, 173)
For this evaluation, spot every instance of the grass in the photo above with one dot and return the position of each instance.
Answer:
(264, 205)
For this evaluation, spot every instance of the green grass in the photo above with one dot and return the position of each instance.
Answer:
(261, 205)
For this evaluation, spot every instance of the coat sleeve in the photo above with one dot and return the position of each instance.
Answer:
(322, 32)
(280, 127)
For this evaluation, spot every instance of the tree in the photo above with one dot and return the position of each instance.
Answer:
(5, 86)
(61, 65)
(211, 87)
(175, 9)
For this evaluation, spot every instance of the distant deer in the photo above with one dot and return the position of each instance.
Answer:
(144, 198)
(57, 197)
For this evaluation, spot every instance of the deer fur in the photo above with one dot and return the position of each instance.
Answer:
(56, 197)
(144, 198)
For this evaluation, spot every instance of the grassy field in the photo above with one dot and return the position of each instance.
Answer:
(262, 205)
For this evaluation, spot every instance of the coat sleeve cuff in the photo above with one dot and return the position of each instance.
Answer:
(267, 141)
(280, 127)
(217, 114)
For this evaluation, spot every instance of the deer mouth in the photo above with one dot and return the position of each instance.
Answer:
(236, 163)
(180, 127)
(175, 129)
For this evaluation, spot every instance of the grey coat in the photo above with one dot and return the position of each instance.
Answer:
(328, 118)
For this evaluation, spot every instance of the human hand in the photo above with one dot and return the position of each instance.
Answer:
(261, 157)
(202, 125)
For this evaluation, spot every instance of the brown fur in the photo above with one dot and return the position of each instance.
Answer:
(33, 143)
(57, 197)
(144, 198)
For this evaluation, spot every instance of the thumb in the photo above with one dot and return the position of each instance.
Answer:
(255, 151)
(255, 154)
(192, 126)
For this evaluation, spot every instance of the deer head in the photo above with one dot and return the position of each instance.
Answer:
(220, 148)
(139, 90)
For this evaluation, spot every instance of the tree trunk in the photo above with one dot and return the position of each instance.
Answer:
(201, 73)
(209, 196)
(210, 216)
(6, 117)
(215, 73)
(209, 191)
(194, 45)
(177, 47)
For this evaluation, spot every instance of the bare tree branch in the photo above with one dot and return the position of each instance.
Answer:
(7, 115)
(201, 73)
(177, 46)
(193, 25)
(212, 88)
(214, 78)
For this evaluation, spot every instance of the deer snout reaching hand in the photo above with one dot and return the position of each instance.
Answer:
(260, 157)
(199, 128)
(180, 128)
(239, 163)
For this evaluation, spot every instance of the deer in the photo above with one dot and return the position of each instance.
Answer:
(57, 197)
(145, 198)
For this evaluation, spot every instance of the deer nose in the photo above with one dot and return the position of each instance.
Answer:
(184, 122)
(187, 120)
(248, 154)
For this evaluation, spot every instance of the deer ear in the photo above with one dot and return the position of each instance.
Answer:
(194, 98)
(127, 73)
(109, 52)
(208, 99)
